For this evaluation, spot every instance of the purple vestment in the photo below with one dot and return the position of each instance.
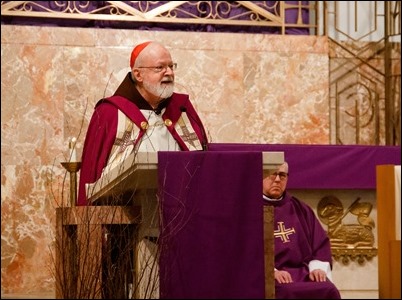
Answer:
(102, 129)
(299, 239)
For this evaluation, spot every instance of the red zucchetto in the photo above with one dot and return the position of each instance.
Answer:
(136, 51)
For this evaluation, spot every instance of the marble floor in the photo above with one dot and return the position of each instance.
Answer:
(28, 296)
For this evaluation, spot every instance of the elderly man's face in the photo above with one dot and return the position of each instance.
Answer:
(275, 181)
(158, 72)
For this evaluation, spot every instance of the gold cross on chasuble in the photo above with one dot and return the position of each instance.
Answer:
(124, 141)
(283, 233)
(187, 136)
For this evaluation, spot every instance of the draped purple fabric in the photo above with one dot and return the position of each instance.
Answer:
(212, 218)
(229, 10)
(327, 166)
(211, 225)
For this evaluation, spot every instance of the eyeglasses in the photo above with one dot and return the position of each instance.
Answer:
(282, 175)
(160, 69)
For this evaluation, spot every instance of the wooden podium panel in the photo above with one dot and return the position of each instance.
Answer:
(269, 252)
(389, 252)
(395, 269)
(83, 248)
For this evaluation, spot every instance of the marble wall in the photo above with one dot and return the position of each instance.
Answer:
(247, 88)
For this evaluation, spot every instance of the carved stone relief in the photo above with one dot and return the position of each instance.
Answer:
(348, 241)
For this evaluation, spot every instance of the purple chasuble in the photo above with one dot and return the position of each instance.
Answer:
(299, 239)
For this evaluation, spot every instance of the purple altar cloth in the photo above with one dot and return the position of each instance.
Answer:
(327, 166)
(211, 225)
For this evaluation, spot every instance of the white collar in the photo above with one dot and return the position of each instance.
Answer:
(265, 197)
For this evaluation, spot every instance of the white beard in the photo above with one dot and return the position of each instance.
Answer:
(163, 92)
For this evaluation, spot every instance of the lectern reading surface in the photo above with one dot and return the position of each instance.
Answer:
(139, 171)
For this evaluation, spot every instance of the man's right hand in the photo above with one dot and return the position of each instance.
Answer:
(282, 276)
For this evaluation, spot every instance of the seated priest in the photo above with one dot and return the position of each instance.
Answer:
(303, 259)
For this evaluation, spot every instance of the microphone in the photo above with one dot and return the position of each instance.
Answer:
(204, 135)
(158, 110)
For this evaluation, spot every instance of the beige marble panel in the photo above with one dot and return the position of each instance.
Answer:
(248, 88)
